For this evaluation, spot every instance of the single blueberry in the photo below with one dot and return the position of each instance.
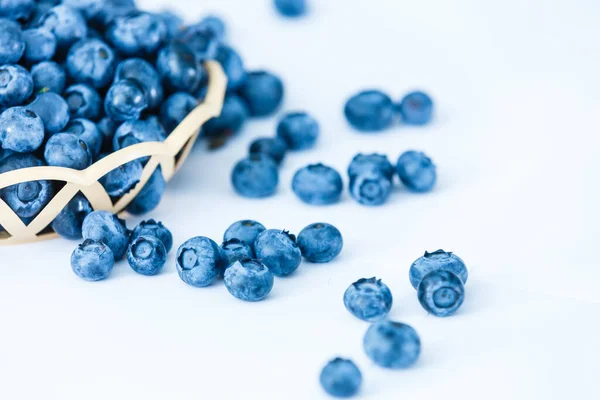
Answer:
(370, 189)
(91, 61)
(248, 280)
(53, 110)
(391, 344)
(67, 150)
(179, 68)
(16, 85)
(137, 34)
(176, 108)
(299, 130)
(155, 229)
(371, 163)
(263, 92)
(122, 179)
(200, 261)
(145, 75)
(416, 108)
(416, 171)
(214, 26)
(66, 23)
(236, 250)
(438, 260)
(341, 378)
(12, 42)
(245, 230)
(106, 227)
(48, 76)
(278, 251)
(370, 111)
(255, 176)
(21, 130)
(17, 10)
(138, 131)
(83, 101)
(232, 118)
(441, 293)
(233, 66)
(318, 184)
(87, 131)
(92, 260)
(291, 8)
(125, 100)
(69, 221)
(200, 41)
(150, 195)
(40, 45)
(368, 299)
(320, 242)
(146, 255)
(173, 23)
(271, 147)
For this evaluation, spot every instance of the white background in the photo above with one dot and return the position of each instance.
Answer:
(515, 140)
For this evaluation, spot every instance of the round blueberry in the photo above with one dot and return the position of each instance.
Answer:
(370, 189)
(236, 250)
(263, 92)
(438, 260)
(16, 85)
(232, 118)
(179, 68)
(17, 10)
(107, 128)
(368, 299)
(154, 229)
(110, 10)
(138, 131)
(176, 108)
(122, 179)
(40, 45)
(214, 26)
(146, 255)
(340, 378)
(92, 260)
(291, 8)
(299, 130)
(278, 251)
(137, 34)
(232, 65)
(370, 111)
(66, 23)
(320, 242)
(200, 41)
(200, 261)
(69, 221)
(318, 184)
(416, 108)
(67, 150)
(248, 280)
(48, 76)
(172, 21)
(106, 227)
(21, 130)
(86, 130)
(255, 177)
(125, 100)
(391, 344)
(441, 293)
(91, 61)
(53, 110)
(12, 42)
(83, 101)
(271, 147)
(145, 75)
(149, 197)
(371, 163)
(416, 171)
(245, 230)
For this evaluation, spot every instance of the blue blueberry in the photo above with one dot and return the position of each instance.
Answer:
(87, 131)
(416, 108)
(12, 42)
(370, 111)
(16, 85)
(83, 101)
(438, 260)
(48, 76)
(391, 344)
(271, 147)
(299, 130)
(21, 130)
(214, 26)
(255, 176)
(368, 299)
(92, 260)
(416, 171)
(179, 68)
(110, 10)
(106, 227)
(371, 163)
(146, 255)
(67, 150)
(278, 251)
(232, 118)
(40, 45)
(149, 197)
(145, 75)
(40, 9)
(138, 131)
(176, 108)
(320, 242)
(69, 221)
(122, 179)
(107, 127)
(173, 23)
(17, 10)
(263, 92)
(318, 184)
(200, 261)
(233, 66)
(125, 100)
(248, 280)
(341, 378)
(137, 34)
(66, 23)
(370, 189)
(245, 230)
(441, 293)
(89, 8)
(155, 229)
(91, 61)
(291, 8)
(200, 41)
(53, 110)
(236, 250)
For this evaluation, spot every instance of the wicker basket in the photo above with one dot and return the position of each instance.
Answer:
(169, 155)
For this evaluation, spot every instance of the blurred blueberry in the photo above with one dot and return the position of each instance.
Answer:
(255, 176)
(200, 41)
(368, 299)
(106, 227)
(416, 171)
(370, 111)
(232, 118)
(122, 179)
(149, 197)
(299, 130)
(271, 147)
(176, 108)
(173, 23)
(291, 8)
(248, 280)
(145, 75)
(320, 242)
(69, 221)
(391, 344)
(83, 101)
(232, 65)
(48, 76)
(318, 184)
(278, 251)
(125, 100)
(40, 9)
(245, 230)
(200, 261)
(92, 260)
(263, 92)
(12, 41)
(441, 293)
(87, 131)
(146, 255)
(155, 229)
(214, 26)
(53, 110)
(236, 250)
(88, 8)
(438, 260)
(17, 10)
(179, 68)
(21, 130)
(66, 23)
(91, 61)
(137, 34)
(40, 45)
(340, 378)
(371, 163)
(16, 85)
(370, 189)
(112, 9)
(138, 131)
(416, 108)
(67, 150)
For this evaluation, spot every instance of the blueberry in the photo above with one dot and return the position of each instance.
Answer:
(21, 130)
(371, 163)
(248, 280)
(341, 378)
(40, 9)
(391, 344)
(154, 229)
(66, 23)
(255, 177)
(416, 171)
(299, 130)
(317, 184)
(17, 10)
(112, 9)
(416, 108)
(12, 42)
(92, 260)
(53, 110)
(236, 250)
(278, 251)
(83, 101)
(146, 255)
(138, 131)
(48, 76)
(370, 189)
(67, 150)
(107, 127)
(69, 221)
(291, 8)
(16, 85)
(89, 8)
(150, 195)
(200, 261)
(179, 68)
(214, 26)
(40, 45)
(232, 65)
(320, 242)
(200, 41)
(122, 179)
(275, 148)
(125, 100)
(91, 61)
(438, 260)
(370, 111)
(263, 92)
(368, 299)
(441, 293)
(173, 23)
(86, 130)
(145, 75)
(176, 108)
(232, 118)
(137, 34)
(245, 230)
(105, 227)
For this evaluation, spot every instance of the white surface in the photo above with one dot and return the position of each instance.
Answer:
(516, 143)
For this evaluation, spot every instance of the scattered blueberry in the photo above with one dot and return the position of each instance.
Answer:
(83, 101)
(179, 68)
(149, 197)
(200, 261)
(441, 293)
(138, 131)
(371, 189)
(299, 130)
(271, 147)
(21, 130)
(122, 179)
(146, 255)
(87, 131)
(48, 76)
(108, 228)
(438, 260)
(370, 111)
(40, 45)
(371, 163)
(125, 100)
(278, 251)
(416, 108)
(341, 378)
(144, 74)
(155, 229)
(69, 221)
(255, 176)
(248, 280)
(66, 23)
(245, 230)
(263, 92)
(391, 344)
(91, 61)
(137, 34)
(368, 299)
(16, 85)
(53, 110)
(67, 150)
(236, 250)
(320, 242)
(176, 108)
(232, 65)
(232, 118)
(92, 260)
(416, 171)
(12, 41)
(318, 184)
